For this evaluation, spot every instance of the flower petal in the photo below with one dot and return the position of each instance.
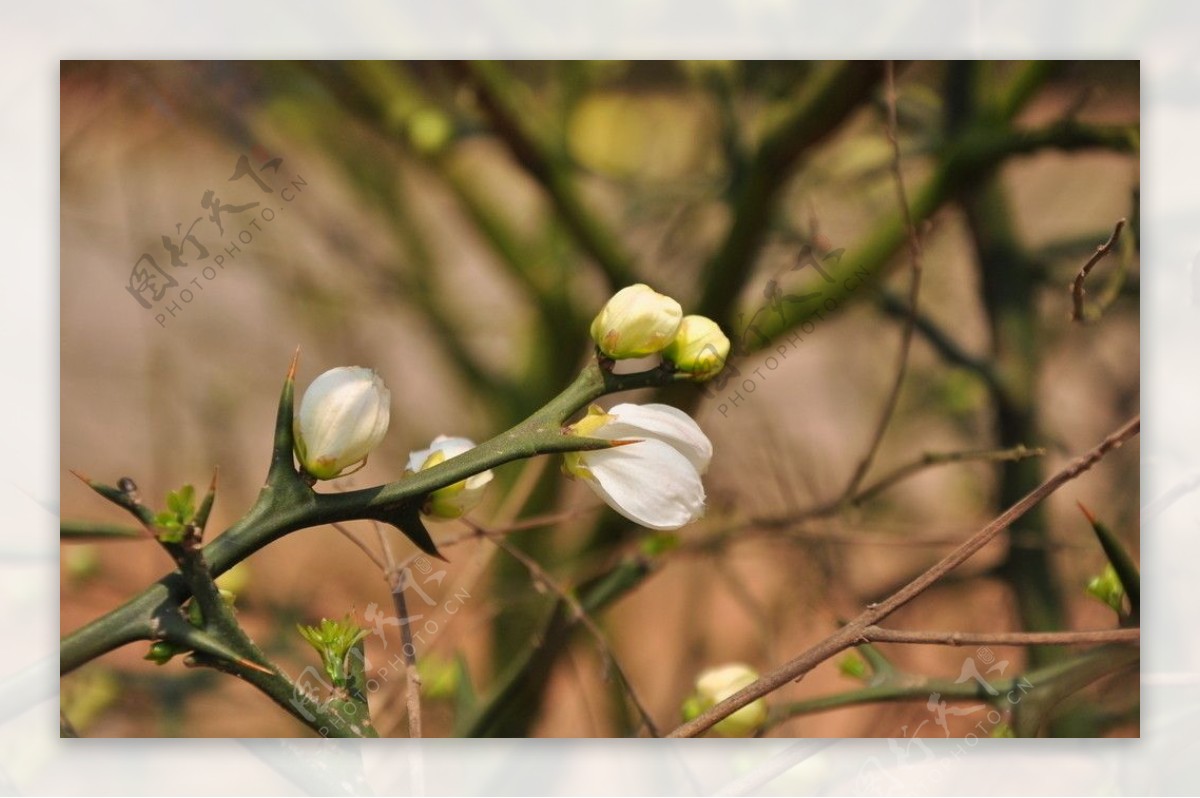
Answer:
(449, 446)
(648, 482)
(417, 459)
(664, 423)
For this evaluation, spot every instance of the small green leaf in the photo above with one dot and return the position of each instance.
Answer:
(1107, 587)
(182, 503)
(853, 665)
(659, 543)
(1002, 730)
(194, 614)
(333, 640)
(439, 677)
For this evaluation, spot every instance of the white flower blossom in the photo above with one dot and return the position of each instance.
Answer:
(654, 478)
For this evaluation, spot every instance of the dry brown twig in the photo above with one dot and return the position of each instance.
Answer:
(1077, 286)
(914, 291)
(357, 541)
(539, 575)
(852, 633)
(888, 480)
(397, 576)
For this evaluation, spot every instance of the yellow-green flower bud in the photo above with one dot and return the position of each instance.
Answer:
(637, 321)
(452, 501)
(699, 348)
(430, 130)
(715, 685)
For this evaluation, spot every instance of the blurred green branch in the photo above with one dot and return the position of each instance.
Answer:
(384, 97)
(827, 99)
(84, 531)
(977, 146)
(548, 165)
(520, 685)
(1039, 690)
(942, 342)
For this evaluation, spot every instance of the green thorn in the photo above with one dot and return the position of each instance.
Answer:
(126, 500)
(1122, 563)
(408, 520)
(201, 519)
(283, 469)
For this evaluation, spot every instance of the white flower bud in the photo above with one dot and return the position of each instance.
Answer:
(699, 348)
(715, 685)
(452, 501)
(636, 322)
(343, 416)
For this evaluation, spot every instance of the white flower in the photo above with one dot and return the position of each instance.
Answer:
(654, 479)
(343, 416)
(637, 321)
(715, 685)
(455, 500)
(699, 349)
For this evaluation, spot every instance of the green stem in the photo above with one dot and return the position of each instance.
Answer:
(545, 163)
(84, 531)
(834, 93)
(1045, 688)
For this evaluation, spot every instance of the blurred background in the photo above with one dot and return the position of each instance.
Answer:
(456, 227)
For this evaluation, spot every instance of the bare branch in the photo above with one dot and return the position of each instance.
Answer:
(930, 459)
(548, 582)
(899, 474)
(943, 343)
(1102, 250)
(397, 576)
(357, 541)
(412, 679)
(851, 634)
(914, 290)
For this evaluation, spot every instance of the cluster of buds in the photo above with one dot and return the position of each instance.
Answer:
(344, 415)
(652, 474)
(638, 321)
